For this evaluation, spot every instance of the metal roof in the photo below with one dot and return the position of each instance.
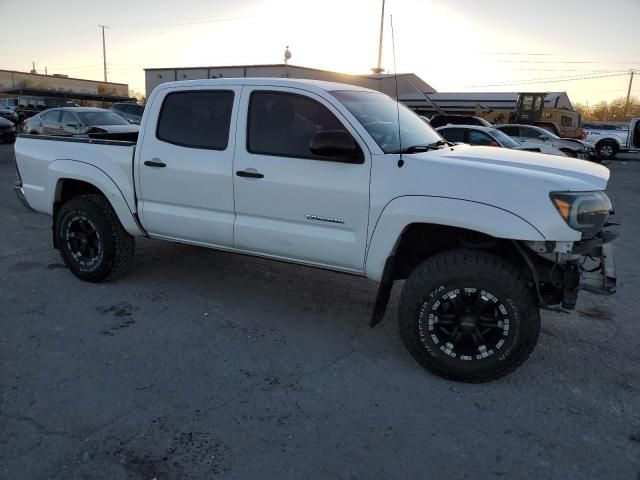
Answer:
(42, 92)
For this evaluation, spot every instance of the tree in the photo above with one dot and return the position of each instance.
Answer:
(613, 111)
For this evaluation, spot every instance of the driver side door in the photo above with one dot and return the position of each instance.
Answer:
(290, 203)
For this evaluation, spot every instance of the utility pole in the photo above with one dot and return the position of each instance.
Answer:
(104, 52)
(626, 105)
(379, 68)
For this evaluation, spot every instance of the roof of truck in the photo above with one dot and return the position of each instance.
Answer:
(266, 81)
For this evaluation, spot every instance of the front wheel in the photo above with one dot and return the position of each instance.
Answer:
(607, 149)
(92, 241)
(468, 315)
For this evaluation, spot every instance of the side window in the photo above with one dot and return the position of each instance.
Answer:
(479, 138)
(283, 124)
(529, 132)
(566, 121)
(199, 119)
(527, 102)
(68, 118)
(511, 131)
(452, 134)
(52, 116)
(538, 103)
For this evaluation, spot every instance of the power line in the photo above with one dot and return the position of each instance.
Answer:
(198, 22)
(556, 54)
(550, 80)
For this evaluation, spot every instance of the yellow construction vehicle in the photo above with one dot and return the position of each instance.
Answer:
(530, 110)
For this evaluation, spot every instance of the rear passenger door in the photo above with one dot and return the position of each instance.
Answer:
(51, 122)
(185, 187)
(69, 123)
(291, 203)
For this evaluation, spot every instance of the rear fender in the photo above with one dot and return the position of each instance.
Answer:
(404, 211)
(60, 170)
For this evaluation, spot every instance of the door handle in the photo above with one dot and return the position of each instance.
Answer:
(249, 174)
(155, 163)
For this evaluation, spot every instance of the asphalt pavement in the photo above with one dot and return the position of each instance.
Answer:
(200, 364)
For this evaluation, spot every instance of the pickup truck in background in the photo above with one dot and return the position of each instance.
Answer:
(342, 178)
(611, 139)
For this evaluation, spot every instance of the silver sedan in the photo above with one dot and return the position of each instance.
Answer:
(69, 121)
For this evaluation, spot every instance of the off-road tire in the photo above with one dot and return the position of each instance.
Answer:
(607, 153)
(117, 246)
(462, 268)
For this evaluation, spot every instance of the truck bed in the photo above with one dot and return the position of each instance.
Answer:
(38, 156)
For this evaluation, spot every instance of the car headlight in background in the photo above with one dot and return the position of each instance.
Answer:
(586, 212)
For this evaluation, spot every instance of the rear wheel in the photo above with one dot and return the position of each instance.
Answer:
(607, 149)
(92, 241)
(467, 315)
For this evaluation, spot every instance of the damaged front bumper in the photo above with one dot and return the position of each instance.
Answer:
(602, 279)
(573, 266)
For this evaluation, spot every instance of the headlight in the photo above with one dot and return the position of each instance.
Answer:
(586, 212)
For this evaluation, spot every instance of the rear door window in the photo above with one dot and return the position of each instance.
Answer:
(452, 134)
(529, 133)
(68, 118)
(477, 137)
(52, 116)
(511, 131)
(197, 119)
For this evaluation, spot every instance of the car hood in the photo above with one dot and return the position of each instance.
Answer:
(117, 128)
(559, 172)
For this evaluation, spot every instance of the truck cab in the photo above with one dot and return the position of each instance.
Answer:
(343, 178)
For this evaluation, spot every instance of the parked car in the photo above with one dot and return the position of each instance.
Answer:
(440, 120)
(70, 121)
(7, 130)
(9, 114)
(538, 135)
(610, 139)
(492, 137)
(316, 173)
(129, 111)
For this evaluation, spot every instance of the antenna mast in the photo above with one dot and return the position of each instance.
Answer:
(379, 68)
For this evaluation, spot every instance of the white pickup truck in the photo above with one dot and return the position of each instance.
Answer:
(611, 139)
(343, 178)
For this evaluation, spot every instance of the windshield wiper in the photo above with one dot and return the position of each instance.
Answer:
(423, 148)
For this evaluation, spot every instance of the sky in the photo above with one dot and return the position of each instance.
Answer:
(584, 47)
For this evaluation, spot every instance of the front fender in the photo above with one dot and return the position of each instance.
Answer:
(77, 170)
(403, 211)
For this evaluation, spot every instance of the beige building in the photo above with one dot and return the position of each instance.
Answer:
(407, 82)
(12, 81)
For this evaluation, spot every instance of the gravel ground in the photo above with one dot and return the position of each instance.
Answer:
(201, 364)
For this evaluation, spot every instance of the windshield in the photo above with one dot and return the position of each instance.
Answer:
(91, 118)
(379, 113)
(504, 139)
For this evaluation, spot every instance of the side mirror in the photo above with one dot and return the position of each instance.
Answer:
(494, 144)
(336, 145)
(543, 137)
